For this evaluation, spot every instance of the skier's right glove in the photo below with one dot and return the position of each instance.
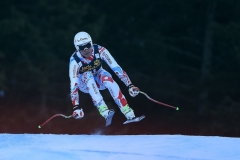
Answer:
(133, 91)
(77, 112)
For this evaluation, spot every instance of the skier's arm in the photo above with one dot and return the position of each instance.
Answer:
(74, 84)
(108, 58)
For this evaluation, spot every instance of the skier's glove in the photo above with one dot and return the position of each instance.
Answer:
(77, 112)
(133, 91)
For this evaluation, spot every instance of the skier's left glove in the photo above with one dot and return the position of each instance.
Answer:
(77, 112)
(133, 91)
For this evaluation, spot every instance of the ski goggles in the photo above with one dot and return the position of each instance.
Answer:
(85, 46)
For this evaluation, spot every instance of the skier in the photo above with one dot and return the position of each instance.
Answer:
(87, 75)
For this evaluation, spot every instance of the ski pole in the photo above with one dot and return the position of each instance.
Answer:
(167, 105)
(56, 115)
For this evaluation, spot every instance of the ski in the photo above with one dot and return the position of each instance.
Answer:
(109, 117)
(135, 119)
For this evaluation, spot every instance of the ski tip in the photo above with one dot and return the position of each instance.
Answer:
(177, 108)
(39, 126)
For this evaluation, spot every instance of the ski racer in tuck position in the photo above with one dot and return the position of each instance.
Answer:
(87, 75)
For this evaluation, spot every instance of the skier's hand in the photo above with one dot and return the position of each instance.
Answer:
(77, 112)
(133, 91)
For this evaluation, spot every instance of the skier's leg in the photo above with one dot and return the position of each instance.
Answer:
(88, 85)
(105, 79)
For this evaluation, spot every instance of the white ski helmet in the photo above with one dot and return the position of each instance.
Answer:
(82, 38)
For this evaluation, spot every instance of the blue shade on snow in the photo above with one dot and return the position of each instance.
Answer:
(122, 147)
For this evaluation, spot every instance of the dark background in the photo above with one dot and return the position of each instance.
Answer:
(184, 53)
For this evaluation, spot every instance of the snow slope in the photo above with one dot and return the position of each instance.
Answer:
(122, 147)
